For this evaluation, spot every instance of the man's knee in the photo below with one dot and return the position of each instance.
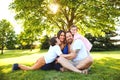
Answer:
(87, 62)
(90, 60)
(59, 59)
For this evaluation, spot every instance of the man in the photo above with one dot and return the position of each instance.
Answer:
(79, 56)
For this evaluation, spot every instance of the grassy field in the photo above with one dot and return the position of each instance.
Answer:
(106, 66)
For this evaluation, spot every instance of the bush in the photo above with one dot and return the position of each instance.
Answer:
(100, 43)
(45, 42)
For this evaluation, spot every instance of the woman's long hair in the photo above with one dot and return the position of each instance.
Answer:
(59, 33)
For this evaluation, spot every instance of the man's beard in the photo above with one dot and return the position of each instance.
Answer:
(69, 41)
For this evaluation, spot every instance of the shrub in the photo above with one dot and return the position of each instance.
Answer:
(45, 42)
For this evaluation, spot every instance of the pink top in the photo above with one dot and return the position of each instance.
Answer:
(87, 43)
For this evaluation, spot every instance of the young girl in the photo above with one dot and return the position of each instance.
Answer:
(51, 55)
(86, 42)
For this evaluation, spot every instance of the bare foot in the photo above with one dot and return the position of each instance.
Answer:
(85, 71)
(63, 69)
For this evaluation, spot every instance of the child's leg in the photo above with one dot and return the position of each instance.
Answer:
(40, 62)
(23, 67)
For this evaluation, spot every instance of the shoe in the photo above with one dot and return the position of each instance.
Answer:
(15, 67)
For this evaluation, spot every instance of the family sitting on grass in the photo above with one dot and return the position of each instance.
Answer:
(68, 51)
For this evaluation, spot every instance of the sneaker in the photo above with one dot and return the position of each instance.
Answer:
(15, 67)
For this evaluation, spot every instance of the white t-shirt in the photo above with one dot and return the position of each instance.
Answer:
(82, 53)
(52, 53)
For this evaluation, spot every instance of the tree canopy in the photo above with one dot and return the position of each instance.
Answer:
(6, 31)
(92, 16)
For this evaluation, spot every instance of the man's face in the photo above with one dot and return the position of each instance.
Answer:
(69, 38)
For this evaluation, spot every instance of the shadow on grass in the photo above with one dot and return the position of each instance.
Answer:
(18, 53)
(104, 69)
(2, 75)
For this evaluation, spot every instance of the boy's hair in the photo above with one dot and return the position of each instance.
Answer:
(53, 41)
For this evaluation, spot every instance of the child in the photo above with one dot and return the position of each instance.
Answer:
(86, 42)
(51, 55)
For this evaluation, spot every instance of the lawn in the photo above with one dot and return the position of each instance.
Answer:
(106, 66)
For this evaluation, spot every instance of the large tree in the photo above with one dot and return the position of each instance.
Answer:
(93, 16)
(5, 30)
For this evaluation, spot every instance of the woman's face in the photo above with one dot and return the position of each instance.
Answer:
(62, 37)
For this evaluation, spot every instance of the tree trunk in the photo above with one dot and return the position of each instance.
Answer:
(31, 46)
(2, 51)
(69, 24)
(2, 48)
(70, 21)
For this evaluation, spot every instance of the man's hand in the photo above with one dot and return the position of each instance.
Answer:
(69, 56)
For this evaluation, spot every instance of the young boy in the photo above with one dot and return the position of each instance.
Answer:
(86, 42)
(51, 55)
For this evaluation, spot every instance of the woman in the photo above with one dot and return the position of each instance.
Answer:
(64, 48)
(62, 38)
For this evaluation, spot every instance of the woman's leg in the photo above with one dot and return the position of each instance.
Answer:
(39, 63)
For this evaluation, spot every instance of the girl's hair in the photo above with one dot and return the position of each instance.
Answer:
(53, 41)
(73, 26)
(59, 33)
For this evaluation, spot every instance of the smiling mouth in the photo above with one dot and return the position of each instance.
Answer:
(69, 39)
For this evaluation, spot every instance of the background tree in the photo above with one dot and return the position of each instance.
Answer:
(23, 41)
(11, 40)
(91, 16)
(5, 30)
(101, 43)
(26, 38)
(45, 42)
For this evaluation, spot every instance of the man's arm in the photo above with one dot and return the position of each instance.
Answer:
(71, 55)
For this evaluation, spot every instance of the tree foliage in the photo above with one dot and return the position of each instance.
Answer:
(26, 38)
(11, 40)
(45, 42)
(103, 42)
(93, 16)
(5, 31)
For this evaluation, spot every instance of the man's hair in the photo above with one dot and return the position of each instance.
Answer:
(53, 41)
(69, 32)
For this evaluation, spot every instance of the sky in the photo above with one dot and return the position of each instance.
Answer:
(6, 13)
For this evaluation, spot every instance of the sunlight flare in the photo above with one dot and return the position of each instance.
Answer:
(54, 8)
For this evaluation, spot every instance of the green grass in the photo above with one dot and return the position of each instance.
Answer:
(106, 66)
